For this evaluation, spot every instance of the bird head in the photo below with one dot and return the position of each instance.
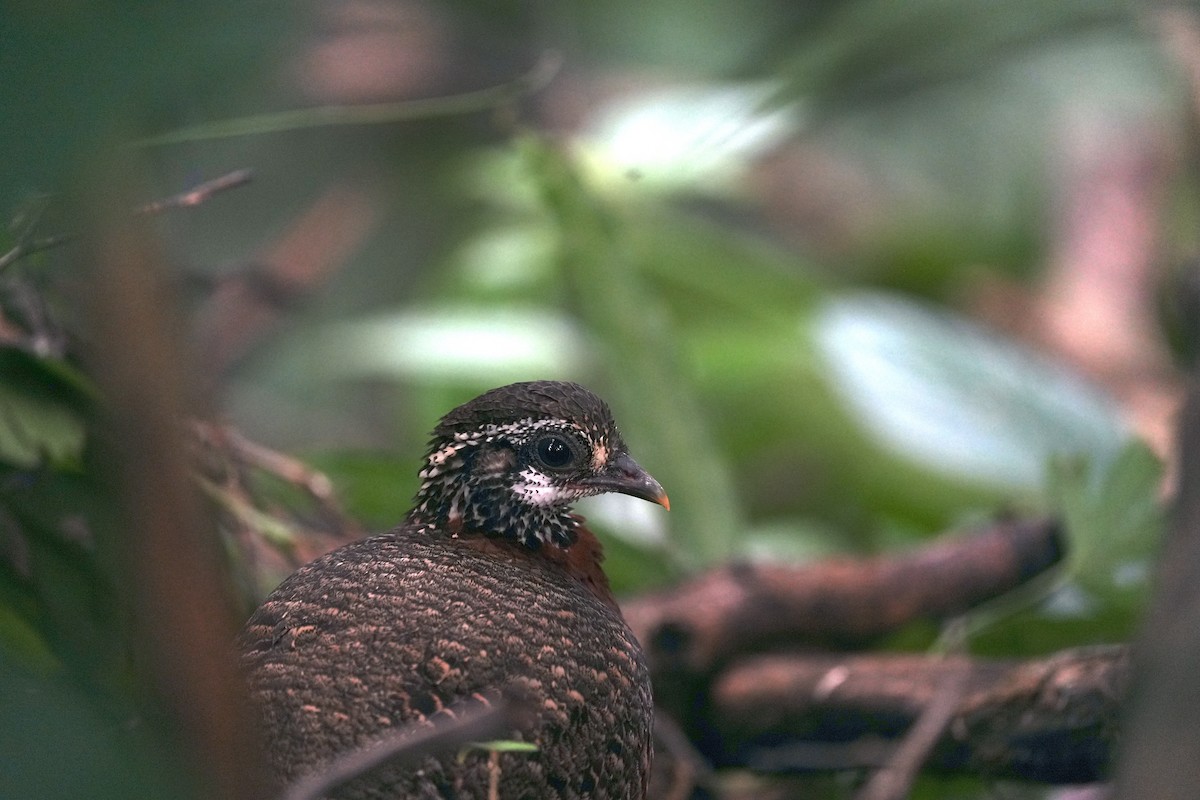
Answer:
(512, 461)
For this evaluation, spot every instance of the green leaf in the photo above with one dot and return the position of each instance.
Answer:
(634, 566)
(943, 392)
(455, 342)
(25, 644)
(41, 407)
(34, 431)
(1114, 520)
(603, 278)
(504, 746)
(48, 721)
(375, 488)
(64, 519)
(701, 139)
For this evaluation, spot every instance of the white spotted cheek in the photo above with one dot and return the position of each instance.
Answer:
(535, 489)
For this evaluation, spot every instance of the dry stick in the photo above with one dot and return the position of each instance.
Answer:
(695, 626)
(1052, 719)
(1162, 734)
(198, 194)
(494, 775)
(315, 483)
(28, 248)
(895, 779)
(225, 459)
(188, 199)
(227, 439)
(403, 745)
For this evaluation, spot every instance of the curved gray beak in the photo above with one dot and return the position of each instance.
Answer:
(623, 474)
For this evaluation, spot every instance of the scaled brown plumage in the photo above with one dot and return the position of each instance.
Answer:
(490, 584)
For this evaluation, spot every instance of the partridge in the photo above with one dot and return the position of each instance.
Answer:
(489, 585)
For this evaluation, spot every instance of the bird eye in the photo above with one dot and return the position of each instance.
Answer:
(554, 452)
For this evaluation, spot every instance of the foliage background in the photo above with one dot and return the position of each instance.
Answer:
(851, 274)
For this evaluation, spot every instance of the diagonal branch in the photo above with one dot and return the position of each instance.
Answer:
(477, 723)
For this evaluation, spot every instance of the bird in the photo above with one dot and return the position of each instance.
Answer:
(490, 584)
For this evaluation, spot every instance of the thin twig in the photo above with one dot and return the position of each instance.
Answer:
(405, 745)
(285, 467)
(530, 82)
(198, 194)
(494, 775)
(895, 779)
(237, 453)
(27, 245)
(28, 248)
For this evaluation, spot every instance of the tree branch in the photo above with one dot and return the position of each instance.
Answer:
(1053, 719)
(693, 627)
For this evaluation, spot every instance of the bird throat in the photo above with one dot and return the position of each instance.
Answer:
(469, 492)
(489, 518)
(535, 528)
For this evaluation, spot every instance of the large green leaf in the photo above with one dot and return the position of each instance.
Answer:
(945, 393)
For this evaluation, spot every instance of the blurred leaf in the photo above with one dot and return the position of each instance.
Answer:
(33, 431)
(634, 567)
(946, 394)
(58, 742)
(75, 75)
(1114, 519)
(456, 342)
(41, 402)
(25, 644)
(791, 541)
(711, 275)
(60, 516)
(700, 139)
(505, 746)
(375, 488)
(634, 339)
(874, 51)
(951, 113)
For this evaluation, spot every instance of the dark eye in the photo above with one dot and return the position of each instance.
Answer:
(554, 452)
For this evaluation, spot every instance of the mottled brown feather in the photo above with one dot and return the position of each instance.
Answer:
(399, 629)
(392, 629)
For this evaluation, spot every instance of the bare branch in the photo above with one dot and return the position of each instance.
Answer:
(1052, 719)
(477, 723)
(27, 244)
(27, 248)
(693, 627)
(896, 778)
(197, 195)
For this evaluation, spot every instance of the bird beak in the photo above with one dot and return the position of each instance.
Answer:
(623, 474)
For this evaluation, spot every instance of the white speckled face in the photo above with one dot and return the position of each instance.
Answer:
(517, 475)
(536, 489)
